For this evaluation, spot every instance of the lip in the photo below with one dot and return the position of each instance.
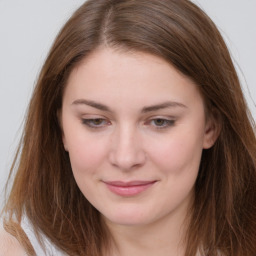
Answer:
(130, 188)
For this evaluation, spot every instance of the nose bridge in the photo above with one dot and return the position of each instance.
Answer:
(127, 150)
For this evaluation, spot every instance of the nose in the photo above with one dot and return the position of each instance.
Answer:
(127, 152)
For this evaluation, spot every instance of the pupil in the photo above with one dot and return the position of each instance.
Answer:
(159, 121)
(97, 121)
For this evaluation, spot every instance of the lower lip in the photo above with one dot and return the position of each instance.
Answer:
(129, 190)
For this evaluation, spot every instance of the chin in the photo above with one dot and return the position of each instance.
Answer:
(129, 218)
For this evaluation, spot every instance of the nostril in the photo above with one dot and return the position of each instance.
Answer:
(127, 161)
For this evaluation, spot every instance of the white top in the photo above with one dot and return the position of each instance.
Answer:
(51, 250)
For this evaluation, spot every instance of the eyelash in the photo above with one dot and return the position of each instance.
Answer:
(164, 123)
(91, 123)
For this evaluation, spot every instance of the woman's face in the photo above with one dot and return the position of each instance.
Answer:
(135, 129)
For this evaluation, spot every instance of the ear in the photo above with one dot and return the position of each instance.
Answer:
(212, 129)
(59, 117)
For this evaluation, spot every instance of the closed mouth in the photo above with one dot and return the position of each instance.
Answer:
(130, 188)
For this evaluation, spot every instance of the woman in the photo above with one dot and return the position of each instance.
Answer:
(138, 140)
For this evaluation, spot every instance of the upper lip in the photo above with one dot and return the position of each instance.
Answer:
(129, 183)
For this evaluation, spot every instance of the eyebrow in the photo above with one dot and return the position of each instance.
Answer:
(167, 104)
(92, 104)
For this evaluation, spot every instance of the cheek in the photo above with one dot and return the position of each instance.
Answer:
(85, 152)
(86, 159)
(179, 154)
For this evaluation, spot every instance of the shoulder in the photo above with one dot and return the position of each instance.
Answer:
(9, 245)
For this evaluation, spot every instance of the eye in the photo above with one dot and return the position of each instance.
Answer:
(95, 122)
(161, 123)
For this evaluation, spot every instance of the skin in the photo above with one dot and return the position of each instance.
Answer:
(9, 245)
(113, 133)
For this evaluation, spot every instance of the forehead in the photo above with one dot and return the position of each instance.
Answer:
(112, 76)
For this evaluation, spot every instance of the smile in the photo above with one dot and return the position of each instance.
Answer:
(129, 188)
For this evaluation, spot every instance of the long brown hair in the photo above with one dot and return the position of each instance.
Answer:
(223, 218)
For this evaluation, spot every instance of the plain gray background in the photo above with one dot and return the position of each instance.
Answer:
(28, 28)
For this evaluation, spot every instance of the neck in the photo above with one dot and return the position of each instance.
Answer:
(162, 237)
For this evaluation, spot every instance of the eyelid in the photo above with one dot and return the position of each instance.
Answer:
(89, 122)
(167, 122)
